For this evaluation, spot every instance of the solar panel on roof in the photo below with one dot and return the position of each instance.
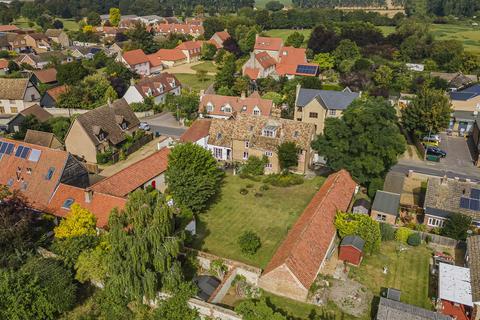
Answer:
(464, 203)
(34, 155)
(10, 148)
(306, 69)
(475, 193)
(19, 151)
(25, 152)
(474, 204)
(3, 147)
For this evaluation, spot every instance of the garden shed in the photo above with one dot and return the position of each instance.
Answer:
(361, 206)
(351, 250)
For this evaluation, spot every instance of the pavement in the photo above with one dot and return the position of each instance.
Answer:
(165, 124)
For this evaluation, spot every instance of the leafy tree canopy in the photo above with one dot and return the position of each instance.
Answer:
(79, 222)
(360, 225)
(257, 310)
(288, 155)
(456, 226)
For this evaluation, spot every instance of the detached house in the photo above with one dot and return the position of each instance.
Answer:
(13, 42)
(101, 129)
(58, 36)
(219, 38)
(466, 105)
(271, 58)
(314, 106)
(224, 107)
(301, 256)
(156, 87)
(137, 61)
(17, 94)
(38, 42)
(191, 49)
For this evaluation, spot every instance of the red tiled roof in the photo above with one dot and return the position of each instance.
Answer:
(3, 63)
(238, 104)
(291, 55)
(134, 176)
(307, 243)
(56, 92)
(46, 75)
(166, 55)
(457, 312)
(100, 205)
(265, 60)
(30, 176)
(193, 47)
(252, 73)
(179, 28)
(223, 35)
(266, 43)
(134, 57)
(151, 86)
(197, 130)
(8, 27)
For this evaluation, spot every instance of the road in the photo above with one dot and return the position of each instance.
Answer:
(437, 170)
(165, 124)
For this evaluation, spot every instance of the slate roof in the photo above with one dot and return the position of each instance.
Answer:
(13, 89)
(442, 199)
(307, 242)
(34, 185)
(107, 118)
(466, 93)
(354, 241)
(168, 82)
(206, 285)
(100, 205)
(197, 130)
(338, 100)
(395, 310)
(46, 75)
(39, 138)
(386, 202)
(473, 249)
(135, 175)
(40, 113)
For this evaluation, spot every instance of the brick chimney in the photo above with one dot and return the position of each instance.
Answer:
(88, 195)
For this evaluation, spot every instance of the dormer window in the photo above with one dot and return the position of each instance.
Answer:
(101, 136)
(256, 111)
(149, 92)
(269, 131)
(295, 134)
(209, 107)
(160, 88)
(124, 125)
(219, 135)
(227, 109)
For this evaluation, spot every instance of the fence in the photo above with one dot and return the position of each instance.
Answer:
(134, 147)
(437, 239)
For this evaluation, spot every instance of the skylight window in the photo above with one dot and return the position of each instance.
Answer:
(50, 173)
(67, 203)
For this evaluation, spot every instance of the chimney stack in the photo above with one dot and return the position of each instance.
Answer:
(88, 195)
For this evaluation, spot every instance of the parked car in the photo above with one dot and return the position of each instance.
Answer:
(144, 126)
(432, 137)
(436, 152)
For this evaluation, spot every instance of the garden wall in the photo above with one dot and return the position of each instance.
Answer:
(63, 112)
(213, 311)
(251, 274)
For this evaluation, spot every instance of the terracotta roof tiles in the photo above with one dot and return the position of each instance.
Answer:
(46, 75)
(245, 105)
(134, 57)
(56, 92)
(197, 130)
(267, 43)
(3, 63)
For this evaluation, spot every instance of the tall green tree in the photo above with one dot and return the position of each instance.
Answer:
(192, 176)
(287, 155)
(456, 226)
(71, 73)
(225, 77)
(429, 112)
(176, 307)
(295, 39)
(366, 140)
(115, 16)
(142, 259)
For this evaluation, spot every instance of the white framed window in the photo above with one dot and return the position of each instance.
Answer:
(332, 112)
(247, 144)
(381, 217)
(432, 222)
(256, 111)
(268, 153)
(268, 133)
(218, 153)
(209, 107)
(245, 155)
(269, 165)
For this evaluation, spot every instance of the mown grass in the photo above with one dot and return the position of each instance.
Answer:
(408, 271)
(68, 24)
(192, 82)
(207, 66)
(269, 216)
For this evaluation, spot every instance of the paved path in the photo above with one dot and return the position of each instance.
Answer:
(165, 124)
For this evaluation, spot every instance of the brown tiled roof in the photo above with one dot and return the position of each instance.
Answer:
(266, 43)
(249, 128)
(134, 57)
(443, 198)
(220, 133)
(197, 130)
(40, 113)
(134, 176)
(473, 249)
(3, 63)
(39, 138)
(12, 89)
(152, 84)
(46, 75)
(56, 92)
(100, 205)
(307, 243)
(238, 104)
(38, 36)
(105, 118)
(8, 27)
(33, 183)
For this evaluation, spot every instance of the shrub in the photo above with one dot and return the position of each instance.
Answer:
(428, 239)
(374, 185)
(414, 239)
(258, 194)
(387, 232)
(249, 242)
(249, 186)
(264, 187)
(243, 191)
(104, 157)
(402, 234)
(254, 166)
(420, 227)
(284, 180)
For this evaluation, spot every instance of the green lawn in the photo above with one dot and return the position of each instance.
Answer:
(270, 216)
(408, 271)
(70, 24)
(207, 66)
(191, 81)
(284, 33)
